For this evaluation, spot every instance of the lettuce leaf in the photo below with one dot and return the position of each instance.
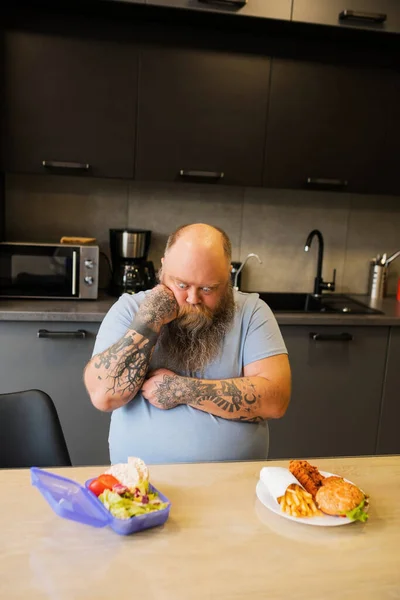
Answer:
(358, 513)
(125, 508)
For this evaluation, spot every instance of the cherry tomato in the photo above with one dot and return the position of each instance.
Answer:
(103, 482)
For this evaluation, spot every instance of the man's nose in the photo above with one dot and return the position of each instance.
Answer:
(193, 296)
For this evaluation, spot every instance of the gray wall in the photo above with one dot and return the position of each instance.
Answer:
(272, 223)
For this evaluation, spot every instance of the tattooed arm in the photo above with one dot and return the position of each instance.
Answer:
(114, 377)
(263, 392)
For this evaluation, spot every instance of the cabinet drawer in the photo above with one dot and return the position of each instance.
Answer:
(338, 374)
(54, 362)
(382, 15)
(389, 438)
(268, 9)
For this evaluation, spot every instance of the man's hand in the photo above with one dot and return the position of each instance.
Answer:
(162, 389)
(159, 308)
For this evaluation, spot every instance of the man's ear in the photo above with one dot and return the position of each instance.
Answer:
(162, 260)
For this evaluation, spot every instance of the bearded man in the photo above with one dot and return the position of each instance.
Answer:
(190, 369)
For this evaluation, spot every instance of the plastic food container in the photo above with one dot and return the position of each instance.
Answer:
(71, 500)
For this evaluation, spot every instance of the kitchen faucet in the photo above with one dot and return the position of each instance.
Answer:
(251, 255)
(319, 283)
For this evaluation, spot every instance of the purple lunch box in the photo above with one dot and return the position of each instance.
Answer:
(71, 500)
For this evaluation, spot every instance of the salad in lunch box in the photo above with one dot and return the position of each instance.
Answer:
(125, 490)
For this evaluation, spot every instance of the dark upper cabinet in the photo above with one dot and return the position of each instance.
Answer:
(336, 392)
(269, 9)
(71, 102)
(383, 15)
(388, 163)
(332, 126)
(202, 115)
(389, 435)
(2, 179)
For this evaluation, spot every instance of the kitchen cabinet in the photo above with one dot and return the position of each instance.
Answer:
(338, 374)
(202, 115)
(269, 9)
(70, 102)
(2, 206)
(2, 178)
(332, 126)
(389, 433)
(55, 365)
(382, 15)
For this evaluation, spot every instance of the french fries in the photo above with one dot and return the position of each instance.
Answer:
(296, 502)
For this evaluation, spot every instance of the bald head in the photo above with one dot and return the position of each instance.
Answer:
(205, 238)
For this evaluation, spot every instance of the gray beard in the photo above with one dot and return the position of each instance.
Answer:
(188, 346)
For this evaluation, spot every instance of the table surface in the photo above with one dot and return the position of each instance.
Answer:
(219, 542)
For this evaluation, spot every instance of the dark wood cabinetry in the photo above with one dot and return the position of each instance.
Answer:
(70, 102)
(2, 178)
(268, 9)
(204, 105)
(382, 15)
(202, 115)
(389, 434)
(337, 388)
(332, 126)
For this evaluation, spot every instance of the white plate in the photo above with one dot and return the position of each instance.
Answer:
(264, 495)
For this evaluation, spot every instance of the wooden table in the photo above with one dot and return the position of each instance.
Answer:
(219, 542)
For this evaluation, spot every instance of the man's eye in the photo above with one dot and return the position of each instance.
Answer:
(207, 290)
(182, 286)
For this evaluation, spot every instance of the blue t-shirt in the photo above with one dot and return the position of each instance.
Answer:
(186, 434)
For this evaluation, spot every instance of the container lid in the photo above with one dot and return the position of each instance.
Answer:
(69, 499)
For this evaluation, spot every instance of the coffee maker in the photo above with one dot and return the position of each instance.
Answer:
(131, 271)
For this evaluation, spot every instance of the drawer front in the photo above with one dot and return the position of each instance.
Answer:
(338, 374)
(268, 9)
(51, 357)
(365, 14)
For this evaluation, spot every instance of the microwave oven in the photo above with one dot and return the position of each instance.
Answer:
(61, 271)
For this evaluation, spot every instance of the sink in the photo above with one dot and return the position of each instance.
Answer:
(327, 303)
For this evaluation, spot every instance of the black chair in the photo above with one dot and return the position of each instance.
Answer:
(30, 432)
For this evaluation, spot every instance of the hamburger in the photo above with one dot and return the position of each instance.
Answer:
(340, 498)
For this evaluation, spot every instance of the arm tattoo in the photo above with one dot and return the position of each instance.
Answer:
(126, 362)
(226, 394)
(155, 309)
(251, 419)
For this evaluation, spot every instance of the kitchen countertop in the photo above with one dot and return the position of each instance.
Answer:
(95, 310)
(56, 310)
(219, 543)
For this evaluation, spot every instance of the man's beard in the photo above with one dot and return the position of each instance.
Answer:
(195, 338)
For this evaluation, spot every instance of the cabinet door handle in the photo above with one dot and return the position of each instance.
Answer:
(201, 174)
(74, 264)
(234, 3)
(59, 164)
(331, 337)
(79, 333)
(327, 182)
(356, 15)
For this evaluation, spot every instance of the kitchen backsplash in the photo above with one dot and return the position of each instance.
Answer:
(272, 223)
